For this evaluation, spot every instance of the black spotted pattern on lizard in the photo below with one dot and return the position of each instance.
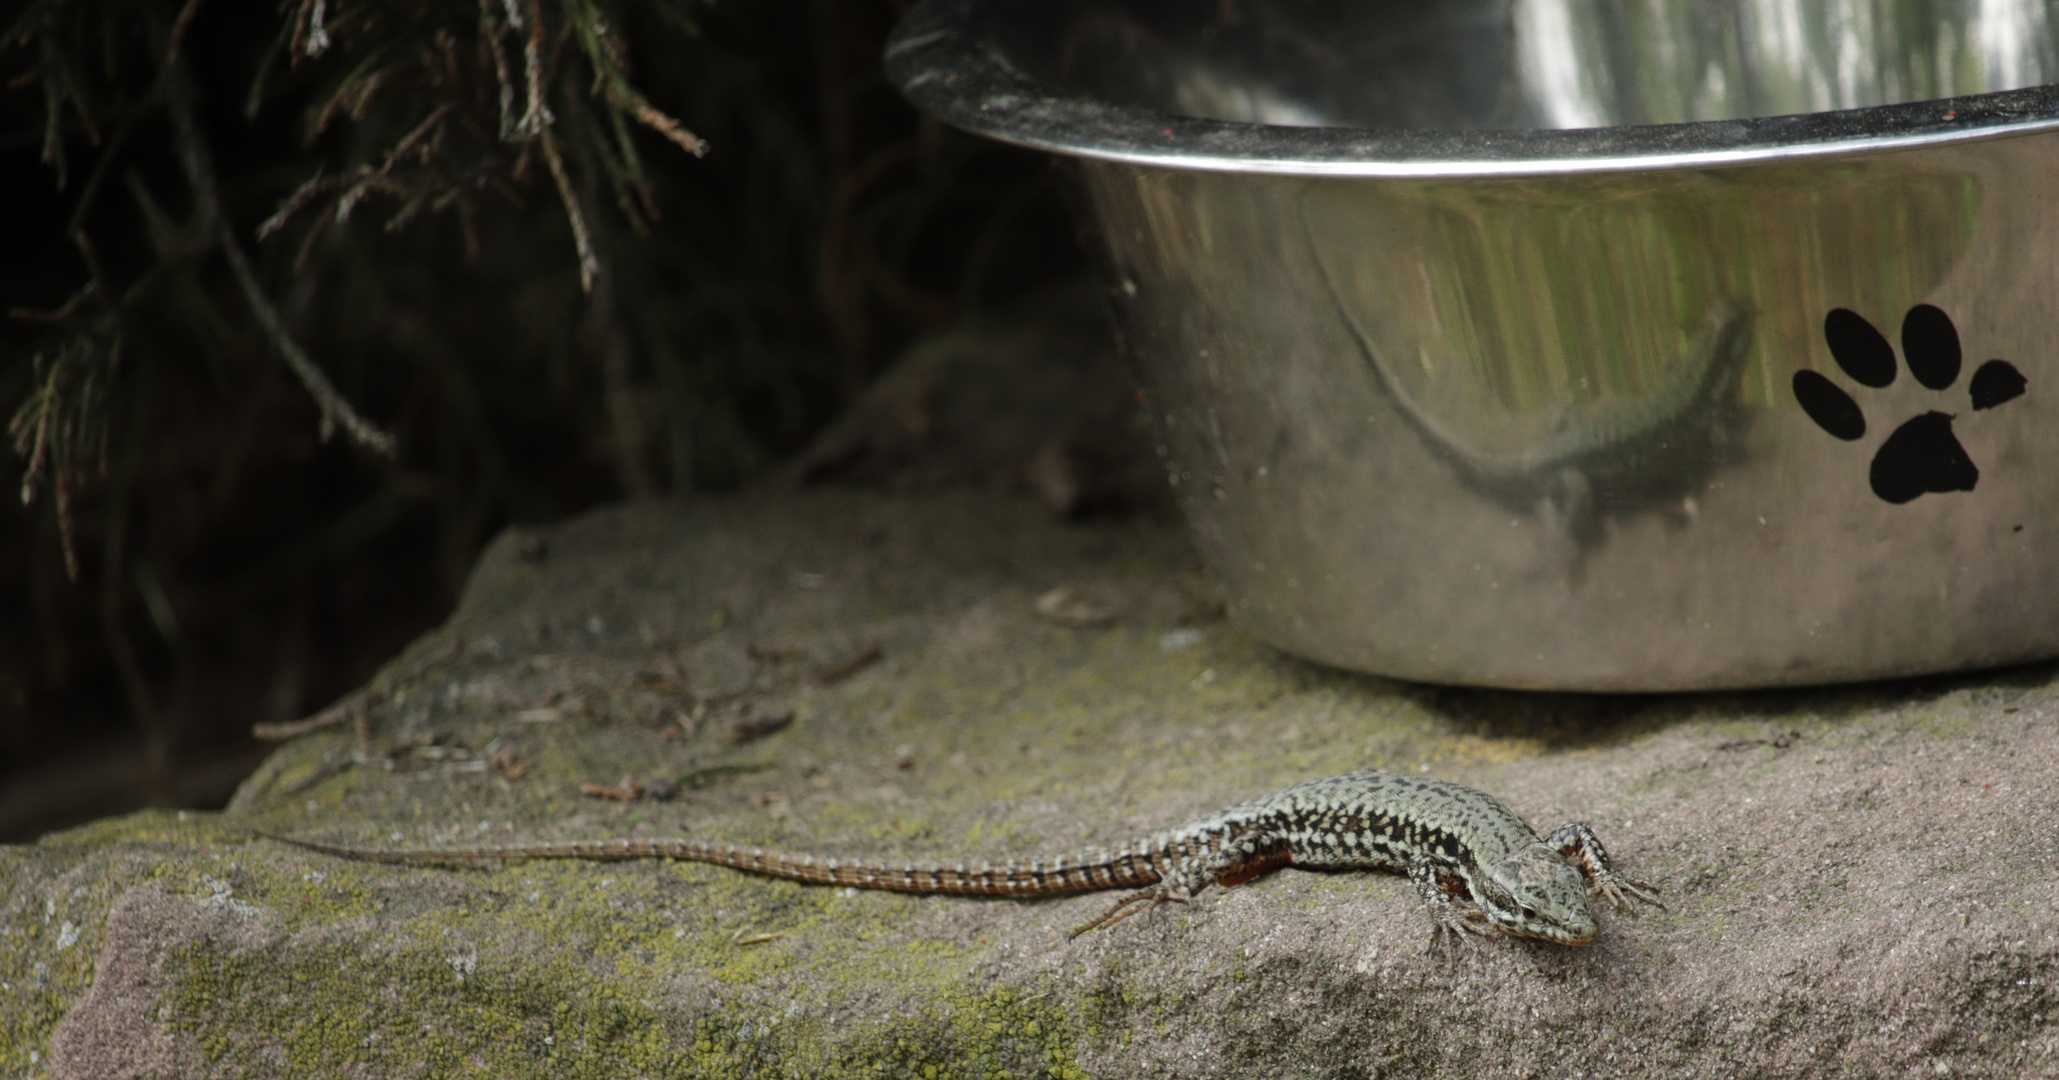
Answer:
(1476, 865)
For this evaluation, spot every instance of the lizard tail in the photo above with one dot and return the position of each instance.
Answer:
(1086, 873)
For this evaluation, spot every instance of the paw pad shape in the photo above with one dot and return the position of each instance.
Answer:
(1922, 455)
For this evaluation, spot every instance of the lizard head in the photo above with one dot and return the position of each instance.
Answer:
(1536, 893)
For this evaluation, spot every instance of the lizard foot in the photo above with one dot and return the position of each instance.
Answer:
(1621, 890)
(1452, 929)
(1146, 900)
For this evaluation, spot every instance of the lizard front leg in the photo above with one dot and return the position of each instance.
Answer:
(1577, 842)
(1450, 918)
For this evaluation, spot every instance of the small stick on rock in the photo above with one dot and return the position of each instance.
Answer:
(631, 789)
(759, 726)
(844, 669)
(357, 707)
(326, 770)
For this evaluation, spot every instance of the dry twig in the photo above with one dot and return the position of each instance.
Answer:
(356, 707)
(194, 157)
(852, 665)
(757, 727)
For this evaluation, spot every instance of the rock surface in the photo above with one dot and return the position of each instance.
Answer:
(1860, 881)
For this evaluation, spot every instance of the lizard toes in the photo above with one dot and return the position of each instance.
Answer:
(1621, 890)
(1640, 891)
(1448, 942)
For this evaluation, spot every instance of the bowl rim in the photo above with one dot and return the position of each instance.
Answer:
(940, 60)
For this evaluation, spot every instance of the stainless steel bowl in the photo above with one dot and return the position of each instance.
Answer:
(1575, 344)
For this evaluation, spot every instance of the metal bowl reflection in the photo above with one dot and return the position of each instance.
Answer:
(1575, 344)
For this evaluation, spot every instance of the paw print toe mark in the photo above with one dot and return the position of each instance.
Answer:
(1833, 410)
(1858, 348)
(1995, 382)
(1930, 344)
(1923, 455)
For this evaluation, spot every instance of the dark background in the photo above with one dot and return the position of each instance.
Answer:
(232, 566)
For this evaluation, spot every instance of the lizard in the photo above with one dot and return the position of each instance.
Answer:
(1651, 449)
(1476, 865)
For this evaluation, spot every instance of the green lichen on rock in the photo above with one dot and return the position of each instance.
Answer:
(428, 1012)
(452, 994)
(54, 901)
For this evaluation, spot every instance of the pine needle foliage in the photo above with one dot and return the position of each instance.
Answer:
(471, 108)
(522, 255)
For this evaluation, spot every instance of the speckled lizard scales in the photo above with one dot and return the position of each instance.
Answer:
(1125, 869)
(1441, 834)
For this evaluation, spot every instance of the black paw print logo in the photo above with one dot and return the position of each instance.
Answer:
(1922, 455)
